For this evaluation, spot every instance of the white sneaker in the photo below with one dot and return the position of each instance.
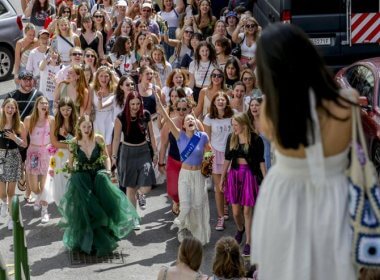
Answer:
(44, 216)
(136, 224)
(10, 224)
(4, 209)
(37, 205)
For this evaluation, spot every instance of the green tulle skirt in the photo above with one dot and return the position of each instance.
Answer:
(95, 213)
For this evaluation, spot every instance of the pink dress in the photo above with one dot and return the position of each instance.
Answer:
(37, 156)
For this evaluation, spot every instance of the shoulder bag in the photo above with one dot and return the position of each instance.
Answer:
(237, 50)
(364, 205)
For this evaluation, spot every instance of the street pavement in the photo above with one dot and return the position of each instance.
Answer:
(144, 251)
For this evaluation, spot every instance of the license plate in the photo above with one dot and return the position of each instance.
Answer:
(321, 41)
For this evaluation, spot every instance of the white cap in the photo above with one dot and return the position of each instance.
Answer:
(122, 3)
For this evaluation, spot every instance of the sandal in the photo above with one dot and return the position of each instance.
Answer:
(29, 200)
(175, 209)
(21, 185)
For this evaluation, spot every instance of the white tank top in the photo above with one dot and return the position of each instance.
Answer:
(64, 48)
(245, 50)
(171, 17)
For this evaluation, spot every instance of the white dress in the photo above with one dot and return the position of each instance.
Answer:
(301, 223)
(104, 118)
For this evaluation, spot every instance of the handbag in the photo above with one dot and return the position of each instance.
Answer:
(364, 202)
(236, 51)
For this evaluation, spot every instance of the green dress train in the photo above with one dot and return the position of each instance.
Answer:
(95, 213)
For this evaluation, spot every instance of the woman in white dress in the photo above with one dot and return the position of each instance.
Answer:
(62, 128)
(301, 223)
(103, 102)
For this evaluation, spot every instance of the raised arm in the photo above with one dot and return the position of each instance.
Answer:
(172, 127)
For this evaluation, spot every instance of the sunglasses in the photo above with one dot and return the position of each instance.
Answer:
(98, 16)
(245, 79)
(182, 109)
(130, 84)
(189, 32)
(66, 12)
(250, 25)
(76, 54)
(90, 55)
(217, 75)
(258, 99)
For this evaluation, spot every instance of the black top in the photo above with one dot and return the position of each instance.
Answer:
(173, 148)
(137, 131)
(254, 156)
(7, 143)
(23, 99)
(93, 45)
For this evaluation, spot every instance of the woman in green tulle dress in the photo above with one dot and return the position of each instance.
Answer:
(95, 213)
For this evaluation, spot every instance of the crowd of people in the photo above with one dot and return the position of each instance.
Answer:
(114, 97)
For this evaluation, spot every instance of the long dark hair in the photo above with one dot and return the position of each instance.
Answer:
(288, 67)
(235, 63)
(59, 119)
(119, 93)
(140, 114)
(212, 52)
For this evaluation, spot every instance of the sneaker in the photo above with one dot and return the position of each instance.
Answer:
(246, 250)
(226, 215)
(239, 236)
(4, 209)
(220, 224)
(142, 200)
(44, 216)
(37, 205)
(10, 224)
(136, 224)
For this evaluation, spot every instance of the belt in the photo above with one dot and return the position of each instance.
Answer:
(133, 145)
(34, 145)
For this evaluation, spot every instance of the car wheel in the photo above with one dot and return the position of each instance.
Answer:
(6, 63)
(376, 157)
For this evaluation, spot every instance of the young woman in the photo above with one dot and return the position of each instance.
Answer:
(23, 48)
(202, 66)
(219, 33)
(195, 39)
(39, 11)
(205, 21)
(247, 40)
(232, 72)
(37, 157)
(183, 107)
(49, 67)
(232, 20)
(223, 51)
(228, 263)
(63, 11)
(253, 112)
(82, 9)
(170, 15)
(64, 39)
(189, 260)
(12, 136)
(103, 25)
(75, 87)
(163, 67)
(180, 47)
(319, 132)
(207, 94)
(248, 77)
(237, 97)
(103, 102)
(122, 56)
(144, 44)
(125, 28)
(217, 125)
(90, 37)
(194, 213)
(62, 129)
(133, 161)
(125, 86)
(91, 59)
(244, 161)
(177, 78)
(96, 214)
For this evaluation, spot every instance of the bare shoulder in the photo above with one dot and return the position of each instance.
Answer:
(99, 139)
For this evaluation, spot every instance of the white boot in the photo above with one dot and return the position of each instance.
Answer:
(44, 215)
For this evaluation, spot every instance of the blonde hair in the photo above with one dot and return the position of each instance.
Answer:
(62, 20)
(35, 114)
(112, 85)
(29, 26)
(82, 119)
(16, 121)
(243, 120)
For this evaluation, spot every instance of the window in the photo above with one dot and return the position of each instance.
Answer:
(363, 80)
(3, 10)
(314, 7)
(365, 6)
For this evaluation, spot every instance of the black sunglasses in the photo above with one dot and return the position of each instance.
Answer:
(90, 55)
(217, 75)
(130, 84)
(98, 16)
(250, 25)
(76, 54)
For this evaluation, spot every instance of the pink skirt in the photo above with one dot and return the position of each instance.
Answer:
(241, 186)
(37, 160)
(217, 164)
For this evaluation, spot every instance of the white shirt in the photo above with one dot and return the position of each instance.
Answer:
(201, 74)
(34, 59)
(171, 17)
(47, 81)
(245, 50)
(220, 129)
